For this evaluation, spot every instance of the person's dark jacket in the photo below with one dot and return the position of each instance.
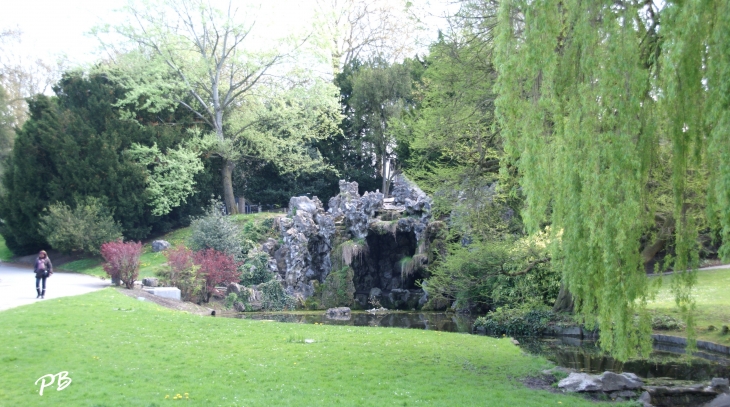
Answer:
(49, 267)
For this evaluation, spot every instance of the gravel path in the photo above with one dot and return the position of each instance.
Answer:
(17, 285)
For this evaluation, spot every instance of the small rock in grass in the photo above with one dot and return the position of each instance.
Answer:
(141, 298)
(309, 341)
(160, 245)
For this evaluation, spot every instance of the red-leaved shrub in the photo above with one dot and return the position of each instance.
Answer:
(181, 272)
(180, 259)
(215, 268)
(122, 260)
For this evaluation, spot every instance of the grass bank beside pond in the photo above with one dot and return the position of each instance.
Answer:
(712, 296)
(150, 262)
(123, 352)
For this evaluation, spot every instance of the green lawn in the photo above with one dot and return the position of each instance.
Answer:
(122, 352)
(712, 295)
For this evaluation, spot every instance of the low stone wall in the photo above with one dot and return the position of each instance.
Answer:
(679, 342)
(669, 343)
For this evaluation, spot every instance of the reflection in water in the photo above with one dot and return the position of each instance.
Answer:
(586, 356)
(415, 320)
(574, 353)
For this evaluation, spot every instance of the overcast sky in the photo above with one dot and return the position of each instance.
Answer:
(52, 28)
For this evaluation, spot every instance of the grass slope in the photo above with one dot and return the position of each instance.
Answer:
(712, 296)
(122, 352)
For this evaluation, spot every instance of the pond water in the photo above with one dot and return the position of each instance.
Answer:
(582, 355)
(586, 356)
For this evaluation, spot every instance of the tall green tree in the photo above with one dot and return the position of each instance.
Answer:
(380, 94)
(588, 94)
(189, 53)
(73, 146)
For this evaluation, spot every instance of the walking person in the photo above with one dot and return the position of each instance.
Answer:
(43, 269)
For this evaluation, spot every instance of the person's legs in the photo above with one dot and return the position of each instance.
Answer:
(38, 286)
(43, 293)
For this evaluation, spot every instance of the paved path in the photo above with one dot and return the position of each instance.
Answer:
(721, 266)
(17, 285)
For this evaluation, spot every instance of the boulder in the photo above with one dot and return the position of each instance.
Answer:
(618, 382)
(160, 245)
(580, 382)
(137, 285)
(645, 399)
(239, 306)
(338, 312)
(150, 282)
(302, 204)
(269, 247)
(233, 288)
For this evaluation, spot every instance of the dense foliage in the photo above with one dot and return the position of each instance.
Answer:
(216, 231)
(496, 273)
(81, 229)
(73, 146)
(274, 298)
(515, 321)
(338, 289)
(255, 270)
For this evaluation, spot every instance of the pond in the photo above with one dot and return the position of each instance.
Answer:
(582, 355)
(586, 356)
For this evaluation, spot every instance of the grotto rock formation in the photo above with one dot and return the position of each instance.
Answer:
(383, 241)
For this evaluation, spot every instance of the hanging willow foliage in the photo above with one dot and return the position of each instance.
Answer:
(589, 93)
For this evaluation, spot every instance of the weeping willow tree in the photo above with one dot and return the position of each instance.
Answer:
(590, 95)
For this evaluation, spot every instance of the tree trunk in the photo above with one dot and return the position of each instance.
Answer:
(228, 196)
(384, 164)
(564, 302)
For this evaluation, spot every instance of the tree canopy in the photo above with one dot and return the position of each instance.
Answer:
(189, 53)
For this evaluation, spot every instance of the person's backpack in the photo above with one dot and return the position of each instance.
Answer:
(41, 270)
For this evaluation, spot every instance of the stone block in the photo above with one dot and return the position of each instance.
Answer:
(618, 382)
(580, 382)
(167, 292)
(160, 245)
(150, 282)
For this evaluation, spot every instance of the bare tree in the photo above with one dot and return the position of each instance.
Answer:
(365, 28)
(22, 76)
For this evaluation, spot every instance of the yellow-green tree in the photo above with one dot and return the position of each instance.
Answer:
(589, 94)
